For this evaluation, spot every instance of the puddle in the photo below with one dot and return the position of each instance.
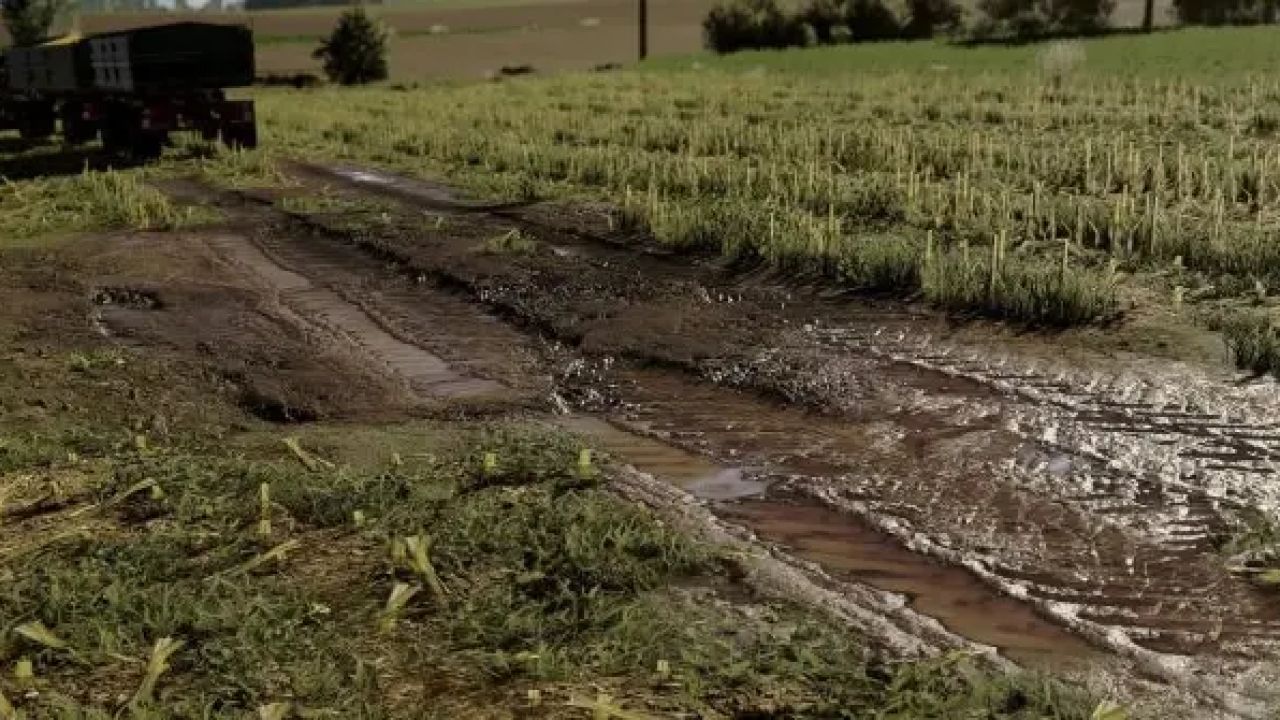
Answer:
(416, 190)
(699, 476)
(849, 549)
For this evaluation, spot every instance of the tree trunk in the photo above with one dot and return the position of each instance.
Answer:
(1148, 15)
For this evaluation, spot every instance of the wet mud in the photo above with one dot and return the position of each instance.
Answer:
(962, 603)
(1069, 515)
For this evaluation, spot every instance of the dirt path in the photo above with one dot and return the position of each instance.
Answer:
(1069, 503)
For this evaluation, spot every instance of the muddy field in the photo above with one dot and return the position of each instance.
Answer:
(952, 486)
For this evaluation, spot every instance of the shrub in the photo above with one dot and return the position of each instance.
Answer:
(872, 20)
(1060, 60)
(926, 17)
(751, 24)
(1254, 342)
(823, 16)
(29, 21)
(1225, 12)
(356, 52)
(1029, 19)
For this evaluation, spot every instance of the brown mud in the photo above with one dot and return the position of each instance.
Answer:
(1083, 503)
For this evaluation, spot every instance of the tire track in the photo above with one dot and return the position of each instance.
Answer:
(1097, 501)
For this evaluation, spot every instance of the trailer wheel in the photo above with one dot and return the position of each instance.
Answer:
(117, 137)
(147, 144)
(240, 136)
(114, 142)
(76, 131)
(37, 121)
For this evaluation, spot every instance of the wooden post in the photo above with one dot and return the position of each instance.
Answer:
(644, 28)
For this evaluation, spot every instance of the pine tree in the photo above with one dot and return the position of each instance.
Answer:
(356, 52)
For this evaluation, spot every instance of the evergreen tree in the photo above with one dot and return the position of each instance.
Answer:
(356, 52)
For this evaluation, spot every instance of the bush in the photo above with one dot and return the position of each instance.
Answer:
(823, 16)
(751, 24)
(29, 21)
(1030, 19)
(1060, 59)
(356, 52)
(872, 20)
(1225, 12)
(927, 17)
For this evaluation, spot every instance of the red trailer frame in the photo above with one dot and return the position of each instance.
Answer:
(131, 125)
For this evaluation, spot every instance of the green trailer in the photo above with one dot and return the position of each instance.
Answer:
(133, 88)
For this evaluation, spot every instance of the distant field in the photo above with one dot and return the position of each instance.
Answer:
(470, 38)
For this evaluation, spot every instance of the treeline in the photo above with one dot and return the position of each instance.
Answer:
(283, 4)
(102, 6)
(756, 24)
(1227, 12)
(98, 6)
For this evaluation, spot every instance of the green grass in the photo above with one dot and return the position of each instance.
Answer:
(89, 201)
(1254, 341)
(1153, 156)
(547, 580)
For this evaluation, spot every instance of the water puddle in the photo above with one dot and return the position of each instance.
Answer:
(699, 476)
(851, 550)
(417, 190)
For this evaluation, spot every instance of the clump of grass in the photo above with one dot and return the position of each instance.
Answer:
(119, 200)
(512, 242)
(106, 200)
(1253, 341)
(243, 169)
(1255, 547)
(1019, 290)
(1060, 59)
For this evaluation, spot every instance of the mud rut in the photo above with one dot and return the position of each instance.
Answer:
(1064, 515)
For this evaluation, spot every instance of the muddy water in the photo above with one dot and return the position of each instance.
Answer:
(963, 604)
(699, 476)
(849, 549)
(757, 444)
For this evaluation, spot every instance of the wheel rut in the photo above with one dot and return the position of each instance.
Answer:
(1023, 505)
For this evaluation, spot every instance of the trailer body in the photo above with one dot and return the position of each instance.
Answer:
(133, 88)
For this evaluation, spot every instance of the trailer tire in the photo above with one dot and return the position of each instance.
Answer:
(37, 121)
(240, 136)
(78, 133)
(147, 144)
(117, 136)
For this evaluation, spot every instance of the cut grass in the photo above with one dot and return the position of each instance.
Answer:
(846, 161)
(106, 200)
(546, 581)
